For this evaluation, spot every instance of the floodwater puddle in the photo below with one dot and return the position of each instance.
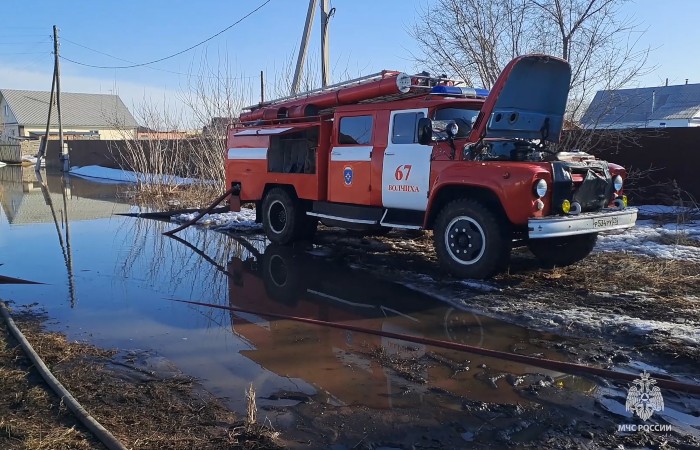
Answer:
(110, 280)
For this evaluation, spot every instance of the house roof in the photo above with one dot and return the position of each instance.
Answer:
(643, 104)
(77, 110)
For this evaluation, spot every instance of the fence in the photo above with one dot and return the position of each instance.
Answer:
(666, 155)
(11, 153)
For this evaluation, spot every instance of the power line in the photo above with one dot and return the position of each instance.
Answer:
(25, 53)
(242, 77)
(174, 54)
(24, 42)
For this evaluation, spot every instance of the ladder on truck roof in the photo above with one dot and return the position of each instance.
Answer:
(418, 83)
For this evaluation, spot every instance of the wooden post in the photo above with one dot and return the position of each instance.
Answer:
(64, 151)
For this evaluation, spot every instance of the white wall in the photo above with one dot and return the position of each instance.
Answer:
(8, 125)
(105, 134)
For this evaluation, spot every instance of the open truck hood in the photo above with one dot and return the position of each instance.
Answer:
(527, 102)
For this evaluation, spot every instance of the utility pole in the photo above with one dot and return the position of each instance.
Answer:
(262, 87)
(325, 66)
(57, 74)
(45, 142)
(303, 47)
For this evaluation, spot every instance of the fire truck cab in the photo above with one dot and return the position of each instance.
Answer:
(414, 152)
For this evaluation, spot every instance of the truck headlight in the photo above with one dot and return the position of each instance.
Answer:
(617, 183)
(541, 188)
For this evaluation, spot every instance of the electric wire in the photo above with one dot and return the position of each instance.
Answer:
(243, 77)
(94, 66)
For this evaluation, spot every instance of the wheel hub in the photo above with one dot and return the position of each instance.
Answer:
(465, 240)
(278, 217)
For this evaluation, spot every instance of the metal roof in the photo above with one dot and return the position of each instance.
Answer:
(643, 104)
(77, 110)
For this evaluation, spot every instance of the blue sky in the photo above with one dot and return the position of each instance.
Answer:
(366, 36)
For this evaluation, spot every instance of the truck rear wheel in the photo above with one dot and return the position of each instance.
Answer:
(470, 240)
(284, 220)
(563, 251)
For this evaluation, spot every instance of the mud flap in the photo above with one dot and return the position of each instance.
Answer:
(235, 197)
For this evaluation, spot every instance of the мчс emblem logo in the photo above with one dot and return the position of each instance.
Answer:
(347, 175)
(644, 398)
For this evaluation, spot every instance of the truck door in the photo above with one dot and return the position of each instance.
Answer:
(406, 166)
(351, 159)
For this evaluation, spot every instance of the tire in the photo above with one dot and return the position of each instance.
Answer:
(283, 274)
(470, 240)
(283, 218)
(563, 251)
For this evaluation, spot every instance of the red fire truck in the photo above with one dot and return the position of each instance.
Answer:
(415, 152)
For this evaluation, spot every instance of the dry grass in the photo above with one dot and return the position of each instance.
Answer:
(152, 413)
(30, 416)
(617, 272)
(160, 198)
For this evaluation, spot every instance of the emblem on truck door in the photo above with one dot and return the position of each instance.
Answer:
(347, 175)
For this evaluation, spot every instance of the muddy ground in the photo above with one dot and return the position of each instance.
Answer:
(599, 308)
(144, 407)
(609, 287)
(158, 409)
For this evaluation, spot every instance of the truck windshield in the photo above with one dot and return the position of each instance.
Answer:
(463, 117)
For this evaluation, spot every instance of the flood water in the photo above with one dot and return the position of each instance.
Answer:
(111, 280)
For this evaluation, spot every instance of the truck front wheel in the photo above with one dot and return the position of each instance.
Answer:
(283, 219)
(470, 240)
(563, 251)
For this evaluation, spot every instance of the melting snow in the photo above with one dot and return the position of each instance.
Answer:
(583, 319)
(652, 238)
(126, 176)
(234, 221)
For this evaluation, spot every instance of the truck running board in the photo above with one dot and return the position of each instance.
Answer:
(402, 218)
(342, 214)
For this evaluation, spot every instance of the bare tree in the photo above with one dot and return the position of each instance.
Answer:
(474, 40)
(180, 151)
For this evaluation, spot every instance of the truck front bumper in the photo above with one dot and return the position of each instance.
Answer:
(605, 220)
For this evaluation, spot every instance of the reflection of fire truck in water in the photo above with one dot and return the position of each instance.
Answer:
(415, 152)
(352, 366)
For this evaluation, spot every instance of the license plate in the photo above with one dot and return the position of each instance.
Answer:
(605, 222)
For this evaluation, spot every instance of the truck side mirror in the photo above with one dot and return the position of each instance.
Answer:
(425, 131)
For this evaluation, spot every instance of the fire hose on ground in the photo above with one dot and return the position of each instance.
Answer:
(561, 366)
(201, 214)
(85, 418)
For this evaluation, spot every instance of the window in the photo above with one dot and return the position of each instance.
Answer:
(463, 117)
(355, 130)
(405, 129)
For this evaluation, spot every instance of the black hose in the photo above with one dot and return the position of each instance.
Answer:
(201, 213)
(85, 418)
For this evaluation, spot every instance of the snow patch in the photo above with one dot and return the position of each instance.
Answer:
(244, 220)
(655, 210)
(653, 239)
(582, 317)
(126, 176)
(479, 286)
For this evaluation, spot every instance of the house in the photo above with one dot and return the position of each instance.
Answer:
(146, 133)
(84, 116)
(649, 107)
